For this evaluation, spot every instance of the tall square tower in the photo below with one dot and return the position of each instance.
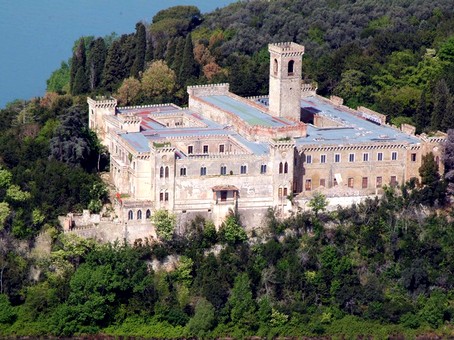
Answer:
(285, 79)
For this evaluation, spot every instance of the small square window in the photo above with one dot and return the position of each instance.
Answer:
(380, 156)
(322, 158)
(337, 157)
(205, 149)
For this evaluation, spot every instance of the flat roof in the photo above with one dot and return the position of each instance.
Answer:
(355, 129)
(137, 141)
(247, 113)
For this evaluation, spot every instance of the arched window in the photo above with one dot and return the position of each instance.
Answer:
(280, 167)
(291, 64)
(285, 167)
(130, 215)
(275, 66)
(167, 171)
(139, 214)
(161, 172)
(148, 214)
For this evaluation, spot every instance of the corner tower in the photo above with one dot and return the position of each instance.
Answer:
(285, 79)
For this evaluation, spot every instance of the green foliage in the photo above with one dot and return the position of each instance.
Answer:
(241, 303)
(7, 313)
(164, 223)
(59, 79)
(318, 203)
(231, 231)
(203, 319)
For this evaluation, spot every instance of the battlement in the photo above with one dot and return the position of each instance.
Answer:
(287, 48)
(102, 102)
(147, 106)
(208, 90)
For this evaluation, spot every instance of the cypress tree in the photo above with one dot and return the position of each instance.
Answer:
(178, 57)
(96, 60)
(448, 118)
(78, 75)
(141, 46)
(112, 74)
(189, 68)
(170, 53)
(422, 117)
(128, 53)
(149, 52)
(441, 98)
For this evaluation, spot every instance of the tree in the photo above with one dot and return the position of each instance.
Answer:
(59, 79)
(422, 117)
(189, 68)
(164, 223)
(448, 160)
(96, 60)
(241, 303)
(7, 313)
(231, 231)
(141, 47)
(129, 91)
(429, 170)
(158, 80)
(441, 100)
(318, 203)
(178, 55)
(78, 75)
(203, 319)
(113, 72)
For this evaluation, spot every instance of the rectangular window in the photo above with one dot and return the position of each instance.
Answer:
(183, 172)
(190, 149)
(393, 181)
(365, 157)
(203, 171)
(337, 158)
(335, 182)
(308, 159)
(394, 155)
(223, 195)
(413, 157)
(365, 183)
(243, 169)
(285, 192)
(379, 182)
(380, 156)
(161, 196)
(221, 148)
(280, 192)
(166, 196)
(308, 185)
(322, 182)
(205, 149)
(350, 182)
(263, 169)
(223, 170)
(351, 157)
(322, 158)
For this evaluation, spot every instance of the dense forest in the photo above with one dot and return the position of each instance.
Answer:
(381, 268)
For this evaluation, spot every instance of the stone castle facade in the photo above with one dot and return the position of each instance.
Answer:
(225, 152)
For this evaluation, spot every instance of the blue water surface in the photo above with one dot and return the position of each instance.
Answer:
(36, 35)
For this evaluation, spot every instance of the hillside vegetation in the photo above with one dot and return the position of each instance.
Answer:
(384, 268)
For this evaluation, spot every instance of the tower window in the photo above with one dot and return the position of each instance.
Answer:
(161, 172)
(291, 65)
(280, 167)
(275, 67)
(130, 215)
(190, 149)
(263, 169)
(167, 172)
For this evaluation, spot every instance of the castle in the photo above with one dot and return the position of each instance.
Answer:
(227, 152)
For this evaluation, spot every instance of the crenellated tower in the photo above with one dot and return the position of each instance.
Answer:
(285, 79)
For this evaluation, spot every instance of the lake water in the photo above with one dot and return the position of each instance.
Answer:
(36, 35)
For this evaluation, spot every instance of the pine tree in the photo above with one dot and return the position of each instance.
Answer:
(96, 60)
(448, 118)
(112, 74)
(78, 76)
(189, 68)
(441, 98)
(149, 52)
(141, 47)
